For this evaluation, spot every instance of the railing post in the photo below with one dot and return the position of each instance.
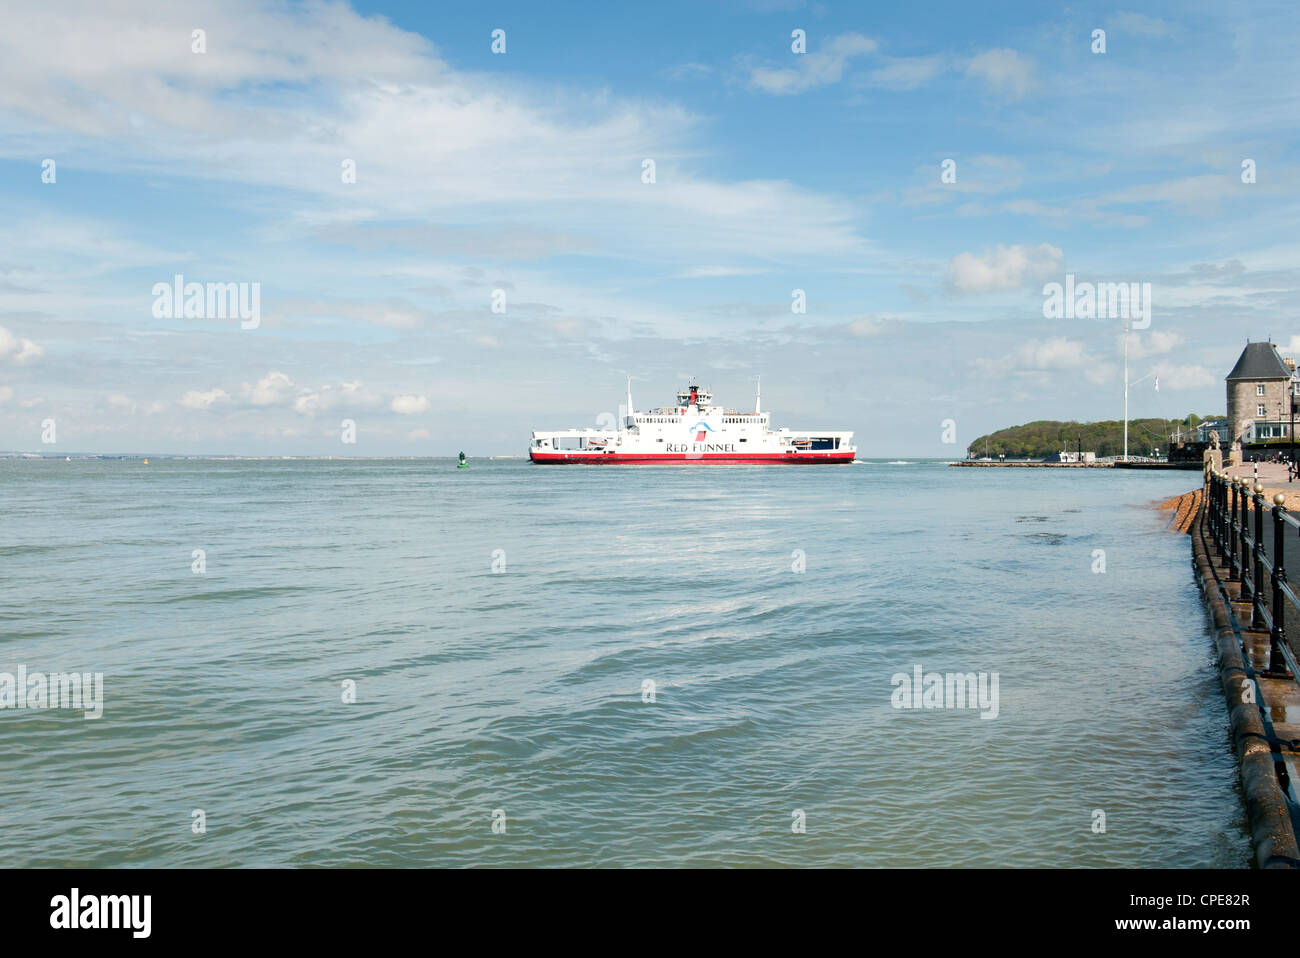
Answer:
(1223, 543)
(1223, 507)
(1219, 507)
(1276, 661)
(1230, 530)
(1257, 572)
(1242, 528)
(1212, 507)
(1228, 502)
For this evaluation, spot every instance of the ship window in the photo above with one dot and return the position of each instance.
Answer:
(743, 439)
(658, 440)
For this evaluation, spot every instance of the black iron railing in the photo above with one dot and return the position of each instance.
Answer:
(1230, 503)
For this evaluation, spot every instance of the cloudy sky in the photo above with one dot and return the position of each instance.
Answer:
(524, 172)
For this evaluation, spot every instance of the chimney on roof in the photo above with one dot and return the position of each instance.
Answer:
(1290, 363)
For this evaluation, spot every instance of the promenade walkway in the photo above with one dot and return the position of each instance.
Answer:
(1274, 479)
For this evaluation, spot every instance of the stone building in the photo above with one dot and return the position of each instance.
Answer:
(1260, 392)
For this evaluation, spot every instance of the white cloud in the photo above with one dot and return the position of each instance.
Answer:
(351, 395)
(393, 313)
(277, 389)
(6, 393)
(1004, 267)
(195, 399)
(17, 350)
(129, 98)
(813, 69)
(714, 272)
(309, 403)
(866, 327)
(1200, 194)
(1144, 343)
(409, 405)
(1058, 356)
(1101, 372)
(1174, 376)
(1004, 72)
(1058, 353)
(1140, 24)
(908, 73)
(272, 389)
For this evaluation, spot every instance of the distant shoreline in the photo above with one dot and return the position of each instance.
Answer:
(1032, 464)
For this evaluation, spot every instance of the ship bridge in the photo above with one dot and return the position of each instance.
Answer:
(694, 395)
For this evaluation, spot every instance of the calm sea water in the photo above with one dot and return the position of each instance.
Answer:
(521, 690)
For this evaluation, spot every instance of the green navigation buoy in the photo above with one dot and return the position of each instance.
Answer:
(463, 463)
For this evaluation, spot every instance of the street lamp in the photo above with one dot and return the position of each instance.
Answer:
(1291, 471)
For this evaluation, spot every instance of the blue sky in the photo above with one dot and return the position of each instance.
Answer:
(522, 172)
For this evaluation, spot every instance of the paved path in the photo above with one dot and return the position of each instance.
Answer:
(1274, 479)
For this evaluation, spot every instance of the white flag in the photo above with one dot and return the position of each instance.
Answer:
(1157, 384)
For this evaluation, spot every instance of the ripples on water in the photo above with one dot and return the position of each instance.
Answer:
(522, 690)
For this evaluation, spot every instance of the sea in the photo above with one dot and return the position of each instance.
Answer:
(401, 663)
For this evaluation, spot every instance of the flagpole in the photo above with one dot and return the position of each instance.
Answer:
(1126, 390)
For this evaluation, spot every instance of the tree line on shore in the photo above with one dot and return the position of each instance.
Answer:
(1045, 437)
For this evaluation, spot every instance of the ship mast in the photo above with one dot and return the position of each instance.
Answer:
(758, 395)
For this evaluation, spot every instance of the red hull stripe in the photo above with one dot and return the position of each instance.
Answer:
(672, 458)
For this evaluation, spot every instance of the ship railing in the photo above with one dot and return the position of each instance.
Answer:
(1235, 516)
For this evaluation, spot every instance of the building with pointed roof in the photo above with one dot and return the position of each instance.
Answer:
(1261, 389)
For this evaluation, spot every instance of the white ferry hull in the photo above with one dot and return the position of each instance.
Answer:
(792, 458)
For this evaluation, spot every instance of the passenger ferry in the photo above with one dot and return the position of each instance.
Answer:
(693, 431)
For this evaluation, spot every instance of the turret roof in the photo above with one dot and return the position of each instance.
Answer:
(1259, 361)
